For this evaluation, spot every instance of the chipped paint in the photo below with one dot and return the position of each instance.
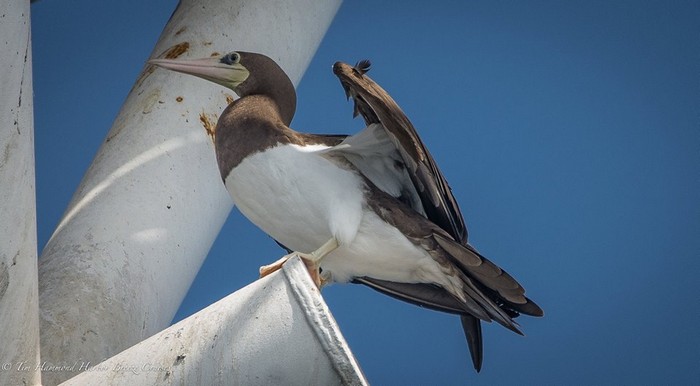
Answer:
(151, 101)
(181, 30)
(215, 53)
(179, 99)
(209, 127)
(229, 98)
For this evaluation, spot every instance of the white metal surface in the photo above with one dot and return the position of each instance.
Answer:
(275, 331)
(19, 311)
(151, 204)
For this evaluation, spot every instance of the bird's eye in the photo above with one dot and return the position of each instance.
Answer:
(231, 58)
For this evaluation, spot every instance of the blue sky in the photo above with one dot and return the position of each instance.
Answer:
(569, 132)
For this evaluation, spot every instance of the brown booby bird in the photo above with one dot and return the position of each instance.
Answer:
(371, 208)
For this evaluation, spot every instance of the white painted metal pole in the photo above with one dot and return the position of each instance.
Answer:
(19, 310)
(275, 331)
(151, 204)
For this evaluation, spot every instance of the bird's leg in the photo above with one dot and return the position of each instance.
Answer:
(311, 260)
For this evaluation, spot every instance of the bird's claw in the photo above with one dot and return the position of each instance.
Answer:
(308, 261)
(311, 260)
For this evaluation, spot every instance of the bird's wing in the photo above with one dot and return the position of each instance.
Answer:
(489, 292)
(392, 156)
(376, 157)
(424, 178)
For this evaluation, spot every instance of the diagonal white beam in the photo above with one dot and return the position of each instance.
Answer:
(277, 330)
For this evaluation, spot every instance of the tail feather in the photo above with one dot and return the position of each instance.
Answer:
(483, 270)
(528, 308)
(492, 308)
(472, 331)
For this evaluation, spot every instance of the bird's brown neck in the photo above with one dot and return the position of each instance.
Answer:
(275, 89)
(249, 125)
(255, 108)
(285, 98)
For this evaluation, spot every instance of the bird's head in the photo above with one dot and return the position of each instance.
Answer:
(246, 73)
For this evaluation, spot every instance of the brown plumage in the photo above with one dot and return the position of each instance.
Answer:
(492, 294)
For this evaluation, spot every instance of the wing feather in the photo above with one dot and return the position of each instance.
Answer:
(377, 107)
(390, 139)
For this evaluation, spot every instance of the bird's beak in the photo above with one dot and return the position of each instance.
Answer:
(211, 69)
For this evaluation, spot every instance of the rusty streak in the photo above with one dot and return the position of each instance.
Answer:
(171, 53)
(209, 127)
(177, 50)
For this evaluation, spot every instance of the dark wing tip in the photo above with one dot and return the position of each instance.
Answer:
(472, 331)
(530, 308)
(362, 67)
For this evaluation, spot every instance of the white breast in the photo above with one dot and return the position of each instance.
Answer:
(302, 199)
(297, 196)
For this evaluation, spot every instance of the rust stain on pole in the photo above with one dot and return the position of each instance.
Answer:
(176, 50)
(209, 127)
(171, 53)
